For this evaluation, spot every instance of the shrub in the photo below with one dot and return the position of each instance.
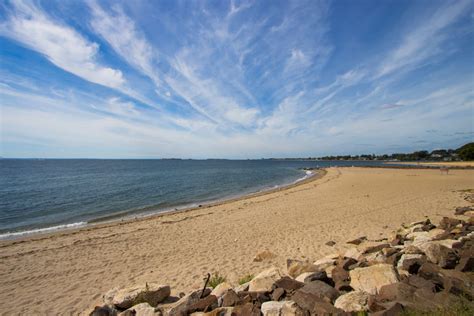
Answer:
(216, 279)
(245, 279)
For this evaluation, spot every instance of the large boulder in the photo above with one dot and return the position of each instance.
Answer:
(187, 303)
(371, 279)
(142, 309)
(411, 262)
(230, 298)
(315, 290)
(247, 309)
(290, 308)
(455, 282)
(308, 277)
(150, 293)
(221, 289)
(288, 284)
(102, 311)
(263, 282)
(272, 308)
(441, 255)
(353, 301)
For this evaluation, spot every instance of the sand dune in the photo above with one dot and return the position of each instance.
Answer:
(64, 272)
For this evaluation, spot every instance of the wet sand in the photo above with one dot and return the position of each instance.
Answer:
(65, 272)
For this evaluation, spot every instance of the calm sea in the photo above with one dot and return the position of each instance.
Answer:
(42, 195)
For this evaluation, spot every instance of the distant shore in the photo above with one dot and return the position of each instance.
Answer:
(460, 164)
(64, 272)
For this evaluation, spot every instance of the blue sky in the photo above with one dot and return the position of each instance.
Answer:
(234, 79)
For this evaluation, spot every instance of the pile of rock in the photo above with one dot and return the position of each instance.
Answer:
(421, 267)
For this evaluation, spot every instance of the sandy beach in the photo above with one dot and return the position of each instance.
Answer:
(64, 272)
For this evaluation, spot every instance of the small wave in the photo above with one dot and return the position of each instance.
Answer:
(41, 230)
(308, 174)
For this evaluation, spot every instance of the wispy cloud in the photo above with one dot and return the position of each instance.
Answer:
(238, 79)
(62, 45)
(425, 40)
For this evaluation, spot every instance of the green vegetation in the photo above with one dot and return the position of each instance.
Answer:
(246, 279)
(466, 152)
(463, 153)
(462, 308)
(216, 279)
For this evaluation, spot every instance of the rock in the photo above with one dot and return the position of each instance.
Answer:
(204, 304)
(289, 284)
(448, 223)
(452, 281)
(346, 263)
(184, 304)
(411, 263)
(328, 271)
(376, 257)
(246, 310)
(419, 282)
(230, 298)
(462, 209)
(278, 293)
(341, 279)
(242, 287)
(272, 308)
(221, 289)
(290, 308)
(103, 311)
(142, 309)
(357, 241)
(221, 311)
(264, 280)
(330, 243)
(449, 243)
(150, 293)
(441, 255)
(372, 278)
(315, 290)
(264, 255)
(437, 233)
(466, 264)
(353, 301)
(396, 292)
(353, 253)
(315, 276)
(297, 267)
(372, 246)
(391, 309)
(323, 263)
(325, 308)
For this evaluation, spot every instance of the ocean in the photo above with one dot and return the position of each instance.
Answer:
(41, 195)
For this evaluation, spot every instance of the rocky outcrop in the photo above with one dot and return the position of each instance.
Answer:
(420, 267)
(372, 278)
(150, 293)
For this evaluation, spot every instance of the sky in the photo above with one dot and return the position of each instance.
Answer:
(234, 79)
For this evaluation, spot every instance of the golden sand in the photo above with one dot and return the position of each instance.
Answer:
(64, 273)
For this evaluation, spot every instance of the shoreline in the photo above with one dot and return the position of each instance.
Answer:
(65, 272)
(113, 219)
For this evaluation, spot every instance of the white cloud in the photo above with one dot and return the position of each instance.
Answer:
(425, 40)
(121, 33)
(62, 45)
